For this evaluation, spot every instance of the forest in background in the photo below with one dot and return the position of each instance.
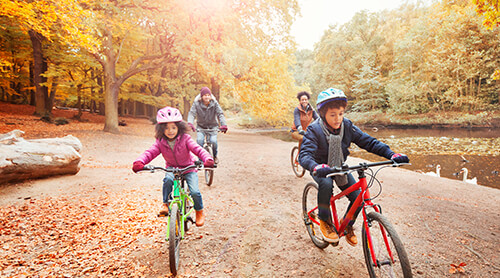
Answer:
(413, 60)
(114, 56)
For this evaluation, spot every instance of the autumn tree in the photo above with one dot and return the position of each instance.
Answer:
(491, 11)
(46, 21)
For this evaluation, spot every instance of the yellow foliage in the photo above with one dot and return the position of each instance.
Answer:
(268, 90)
(491, 11)
(65, 20)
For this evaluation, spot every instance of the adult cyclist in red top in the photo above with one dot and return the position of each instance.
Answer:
(303, 115)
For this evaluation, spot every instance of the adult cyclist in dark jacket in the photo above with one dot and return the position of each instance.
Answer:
(325, 145)
(209, 115)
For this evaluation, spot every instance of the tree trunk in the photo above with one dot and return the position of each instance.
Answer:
(187, 106)
(39, 67)
(215, 88)
(32, 84)
(111, 108)
(111, 98)
(27, 159)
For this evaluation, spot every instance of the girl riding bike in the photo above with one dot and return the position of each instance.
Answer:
(176, 146)
(325, 145)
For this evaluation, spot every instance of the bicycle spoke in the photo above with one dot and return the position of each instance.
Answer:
(310, 212)
(384, 243)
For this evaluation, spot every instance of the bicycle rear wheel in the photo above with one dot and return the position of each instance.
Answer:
(297, 169)
(209, 173)
(309, 202)
(174, 238)
(391, 257)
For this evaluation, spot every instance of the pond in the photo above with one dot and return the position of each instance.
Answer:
(478, 151)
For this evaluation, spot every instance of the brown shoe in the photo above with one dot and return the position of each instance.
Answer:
(200, 218)
(350, 237)
(329, 235)
(164, 210)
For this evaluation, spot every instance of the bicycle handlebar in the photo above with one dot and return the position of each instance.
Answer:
(362, 166)
(198, 165)
(199, 129)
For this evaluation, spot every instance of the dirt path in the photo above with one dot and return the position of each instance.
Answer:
(101, 222)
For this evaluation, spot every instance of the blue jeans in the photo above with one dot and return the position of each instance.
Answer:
(212, 138)
(192, 182)
(325, 191)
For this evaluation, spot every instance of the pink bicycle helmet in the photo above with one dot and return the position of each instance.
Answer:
(168, 115)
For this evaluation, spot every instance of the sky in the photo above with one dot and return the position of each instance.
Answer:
(317, 15)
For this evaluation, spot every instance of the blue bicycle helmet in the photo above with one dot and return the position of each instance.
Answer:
(329, 95)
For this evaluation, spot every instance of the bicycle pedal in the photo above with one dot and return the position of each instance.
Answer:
(162, 215)
(189, 218)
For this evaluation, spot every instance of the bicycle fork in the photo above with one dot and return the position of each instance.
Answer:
(367, 222)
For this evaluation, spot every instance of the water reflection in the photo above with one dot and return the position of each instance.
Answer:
(485, 167)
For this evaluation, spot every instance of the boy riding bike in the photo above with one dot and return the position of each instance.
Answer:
(325, 145)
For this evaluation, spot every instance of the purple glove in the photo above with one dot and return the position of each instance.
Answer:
(400, 158)
(192, 127)
(321, 170)
(209, 163)
(223, 128)
(138, 165)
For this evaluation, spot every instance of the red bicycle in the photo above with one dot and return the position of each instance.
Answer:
(384, 253)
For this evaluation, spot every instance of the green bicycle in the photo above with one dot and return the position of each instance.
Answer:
(180, 209)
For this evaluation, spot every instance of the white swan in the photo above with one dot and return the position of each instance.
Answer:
(465, 171)
(438, 172)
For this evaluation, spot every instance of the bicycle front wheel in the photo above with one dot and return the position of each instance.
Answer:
(310, 214)
(209, 173)
(174, 238)
(297, 169)
(391, 259)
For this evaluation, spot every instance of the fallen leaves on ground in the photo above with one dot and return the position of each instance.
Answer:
(18, 116)
(457, 268)
(89, 233)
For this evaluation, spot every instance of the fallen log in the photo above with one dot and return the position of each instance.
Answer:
(22, 159)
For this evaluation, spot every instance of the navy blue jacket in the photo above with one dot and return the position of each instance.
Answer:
(314, 149)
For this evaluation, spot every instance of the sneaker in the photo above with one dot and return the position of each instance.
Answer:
(350, 237)
(329, 235)
(164, 210)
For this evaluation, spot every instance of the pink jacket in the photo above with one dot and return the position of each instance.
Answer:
(182, 155)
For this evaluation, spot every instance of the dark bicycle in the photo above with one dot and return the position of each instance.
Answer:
(209, 172)
(296, 167)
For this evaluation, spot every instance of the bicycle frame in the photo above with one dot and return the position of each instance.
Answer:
(362, 201)
(206, 135)
(179, 197)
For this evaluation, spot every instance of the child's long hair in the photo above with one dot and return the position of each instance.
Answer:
(160, 130)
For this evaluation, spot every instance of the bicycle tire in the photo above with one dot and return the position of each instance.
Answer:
(385, 267)
(174, 238)
(209, 173)
(297, 169)
(309, 201)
